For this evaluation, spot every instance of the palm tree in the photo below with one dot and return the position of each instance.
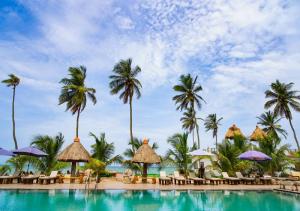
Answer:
(124, 80)
(283, 98)
(75, 93)
(103, 151)
(189, 121)
(13, 81)
(271, 125)
(189, 97)
(178, 154)
(212, 123)
(51, 146)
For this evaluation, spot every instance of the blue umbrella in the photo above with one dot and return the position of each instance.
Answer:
(31, 151)
(254, 156)
(6, 152)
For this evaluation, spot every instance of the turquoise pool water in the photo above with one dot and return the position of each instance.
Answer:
(147, 200)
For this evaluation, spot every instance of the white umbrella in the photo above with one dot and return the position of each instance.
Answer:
(200, 152)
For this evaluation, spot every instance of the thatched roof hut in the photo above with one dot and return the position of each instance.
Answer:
(233, 131)
(74, 152)
(257, 134)
(145, 154)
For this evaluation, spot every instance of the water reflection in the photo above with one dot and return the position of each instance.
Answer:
(147, 200)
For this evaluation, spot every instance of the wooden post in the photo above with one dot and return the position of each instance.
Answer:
(144, 177)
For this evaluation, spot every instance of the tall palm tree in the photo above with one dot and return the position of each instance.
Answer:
(103, 151)
(283, 98)
(13, 81)
(178, 153)
(270, 123)
(189, 122)
(189, 97)
(75, 93)
(124, 80)
(212, 123)
(51, 146)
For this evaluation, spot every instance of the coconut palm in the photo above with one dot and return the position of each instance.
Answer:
(212, 123)
(189, 97)
(178, 155)
(103, 151)
(51, 146)
(75, 93)
(124, 80)
(283, 98)
(13, 81)
(189, 121)
(271, 126)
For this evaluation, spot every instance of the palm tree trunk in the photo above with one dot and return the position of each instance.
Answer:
(131, 135)
(77, 122)
(197, 130)
(290, 121)
(13, 118)
(216, 141)
(193, 136)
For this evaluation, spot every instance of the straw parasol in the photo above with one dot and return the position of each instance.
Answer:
(233, 131)
(75, 152)
(257, 134)
(146, 155)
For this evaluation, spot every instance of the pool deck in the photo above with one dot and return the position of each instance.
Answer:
(109, 184)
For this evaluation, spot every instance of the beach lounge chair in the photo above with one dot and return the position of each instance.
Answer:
(29, 179)
(127, 176)
(196, 180)
(163, 179)
(296, 184)
(245, 180)
(266, 180)
(230, 180)
(180, 180)
(212, 180)
(9, 179)
(47, 179)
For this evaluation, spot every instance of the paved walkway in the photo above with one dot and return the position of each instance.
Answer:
(109, 184)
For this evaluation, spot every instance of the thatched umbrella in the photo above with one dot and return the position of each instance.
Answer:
(257, 134)
(233, 131)
(74, 153)
(146, 155)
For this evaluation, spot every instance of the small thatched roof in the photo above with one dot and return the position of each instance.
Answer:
(257, 134)
(145, 154)
(74, 152)
(233, 131)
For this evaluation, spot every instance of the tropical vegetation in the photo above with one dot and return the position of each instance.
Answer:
(212, 123)
(75, 93)
(125, 81)
(13, 81)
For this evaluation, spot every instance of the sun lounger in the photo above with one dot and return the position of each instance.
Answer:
(30, 178)
(213, 180)
(230, 180)
(245, 180)
(47, 179)
(127, 176)
(9, 179)
(163, 179)
(180, 180)
(196, 180)
(266, 180)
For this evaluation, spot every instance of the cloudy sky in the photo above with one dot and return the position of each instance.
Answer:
(236, 48)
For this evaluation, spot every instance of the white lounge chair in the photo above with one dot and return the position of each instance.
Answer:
(230, 180)
(47, 179)
(245, 180)
(163, 179)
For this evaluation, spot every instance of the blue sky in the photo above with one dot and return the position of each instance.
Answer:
(237, 48)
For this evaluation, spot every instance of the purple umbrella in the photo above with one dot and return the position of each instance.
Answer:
(254, 156)
(6, 152)
(31, 151)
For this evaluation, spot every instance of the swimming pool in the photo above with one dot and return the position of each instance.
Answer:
(147, 200)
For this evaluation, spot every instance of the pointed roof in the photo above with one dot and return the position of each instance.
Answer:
(233, 131)
(257, 134)
(145, 154)
(74, 152)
